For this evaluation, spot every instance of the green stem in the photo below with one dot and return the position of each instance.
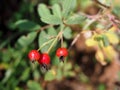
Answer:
(45, 44)
(53, 43)
(58, 36)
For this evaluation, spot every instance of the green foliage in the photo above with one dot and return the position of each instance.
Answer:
(49, 75)
(45, 38)
(101, 87)
(48, 31)
(67, 33)
(75, 19)
(27, 40)
(116, 11)
(63, 70)
(32, 85)
(105, 40)
(25, 74)
(83, 78)
(47, 17)
(57, 11)
(27, 25)
(67, 6)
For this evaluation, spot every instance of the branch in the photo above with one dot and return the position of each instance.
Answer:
(96, 1)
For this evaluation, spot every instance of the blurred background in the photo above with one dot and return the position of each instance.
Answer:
(83, 69)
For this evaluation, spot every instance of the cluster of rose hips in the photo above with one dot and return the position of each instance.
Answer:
(44, 59)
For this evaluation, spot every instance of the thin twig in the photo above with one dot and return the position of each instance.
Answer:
(93, 19)
(54, 41)
(45, 27)
(96, 1)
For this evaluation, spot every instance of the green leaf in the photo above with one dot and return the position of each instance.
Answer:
(116, 11)
(52, 19)
(67, 6)
(7, 75)
(49, 76)
(36, 74)
(44, 37)
(101, 87)
(25, 74)
(75, 19)
(52, 2)
(55, 61)
(32, 85)
(67, 33)
(47, 17)
(85, 3)
(27, 40)
(69, 74)
(105, 40)
(51, 31)
(43, 11)
(106, 2)
(27, 25)
(67, 67)
(84, 78)
(56, 10)
(59, 74)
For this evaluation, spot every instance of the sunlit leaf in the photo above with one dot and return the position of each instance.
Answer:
(109, 52)
(105, 40)
(112, 37)
(91, 42)
(113, 28)
(100, 57)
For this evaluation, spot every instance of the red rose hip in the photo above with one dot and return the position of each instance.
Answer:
(45, 59)
(61, 53)
(34, 55)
